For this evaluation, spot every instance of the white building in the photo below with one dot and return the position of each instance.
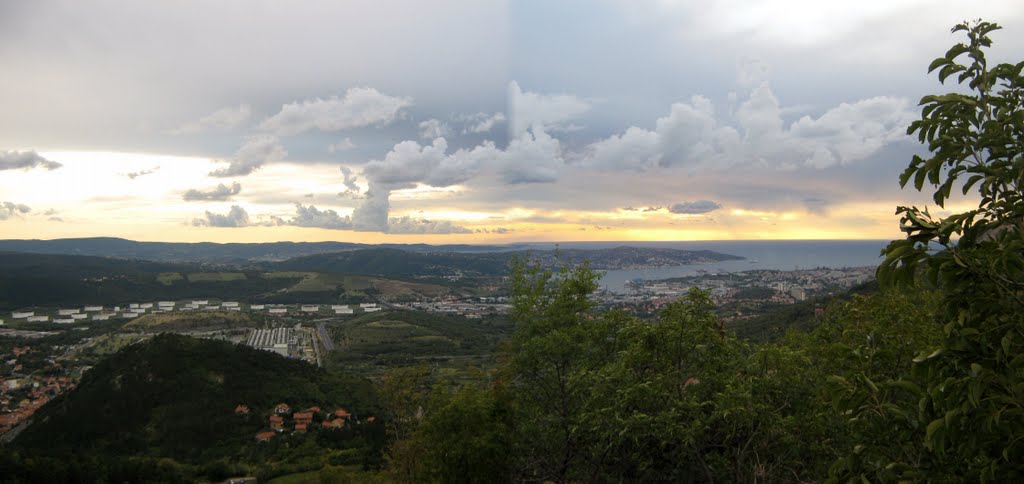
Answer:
(66, 312)
(38, 319)
(371, 309)
(63, 321)
(146, 305)
(278, 310)
(200, 303)
(93, 309)
(78, 316)
(367, 305)
(310, 309)
(100, 317)
(343, 310)
(255, 307)
(22, 315)
(230, 304)
(165, 304)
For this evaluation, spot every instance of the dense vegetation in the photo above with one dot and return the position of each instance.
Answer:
(922, 381)
(166, 408)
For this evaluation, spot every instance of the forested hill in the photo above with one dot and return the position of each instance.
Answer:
(175, 397)
(393, 262)
(207, 251)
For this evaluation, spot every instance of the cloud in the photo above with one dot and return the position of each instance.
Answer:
(359, 107)
(310, 216)
(351, 187)
(219, 193)
(434, 128)
(343, 145)
(236, 217)
(694, 133)
(408, 225)
(10, 209)
(371, 215)
(496, 230)
(256, 151)
(481, 122)
(222, 119)
(313, 217)
(528, 109)
(699, 206)
(135, 174)
(14, 160)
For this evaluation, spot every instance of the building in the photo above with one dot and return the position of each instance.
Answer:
(37, 319)
(278, 310)
(282, 341)
(78, 316)
(63, 320)
(310, 308)
(371, 310)
(22, 315)
(255, 307)
(230, 304)
(66, 312)
(367, 305)
(93, 309)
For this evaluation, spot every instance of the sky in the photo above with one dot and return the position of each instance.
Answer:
(469, 121)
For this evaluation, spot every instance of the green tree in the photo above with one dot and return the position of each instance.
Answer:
(970, 412)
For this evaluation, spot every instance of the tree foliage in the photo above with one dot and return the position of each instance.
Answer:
(968, 411)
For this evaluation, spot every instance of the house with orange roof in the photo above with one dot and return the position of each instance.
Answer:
(264, 436)
(276, 422)
(282, 409)
(370, 419)
(342, 413)
(313, 410)
(334, 424)
(303, 417)
(242, 409)
(300, 428)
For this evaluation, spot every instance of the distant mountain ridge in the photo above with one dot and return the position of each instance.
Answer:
(210, 252)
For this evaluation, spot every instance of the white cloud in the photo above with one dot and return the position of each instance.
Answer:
(313, 217)
(343, 145)
(359, 107)
(256, 151)
(434, 128)
(221, 192)
(408, 225)
(481, 122)
(696, 207)
(14, 160)
(236, 217)
(10, 209)
(528, 109)
(135, 174)
(351, 188)
(222, 119)
(372, 214)
(694, 133)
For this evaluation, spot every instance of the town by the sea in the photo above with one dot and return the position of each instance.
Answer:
(783, 255)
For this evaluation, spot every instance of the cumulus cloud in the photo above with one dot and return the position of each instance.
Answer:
(222, 119)
(434, 128)
(313, 217)
(528, 109)
(135, 174)
(221, 193)
(351, 188)
(481, 122)
(371, 215)
(694, 133)
(359, 107)
(343, 145)
(14, 160)
(236, 217)
(408, 225)
(696, 207)
(256, 151)
(11, 209)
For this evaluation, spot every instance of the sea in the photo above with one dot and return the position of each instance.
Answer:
(785, 255)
